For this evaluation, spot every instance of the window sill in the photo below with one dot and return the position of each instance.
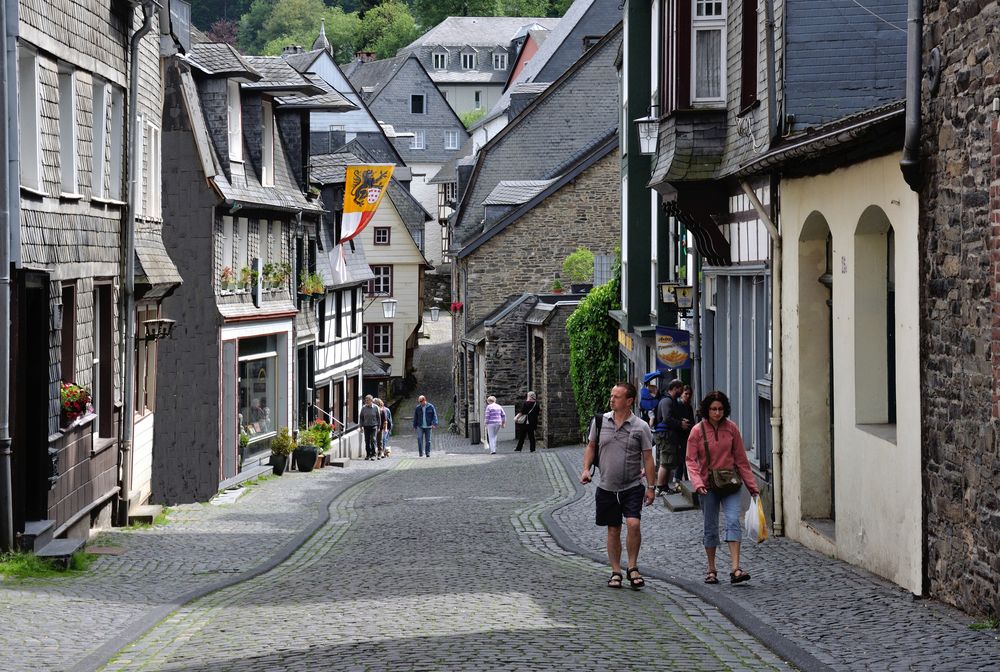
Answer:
(31, 191)
(70, 196)
(884, 431)
(106, 201)
(100, 445)
(748, 109)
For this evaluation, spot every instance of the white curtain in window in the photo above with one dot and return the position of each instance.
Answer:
(708, 66)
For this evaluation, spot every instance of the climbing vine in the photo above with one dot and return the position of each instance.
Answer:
(593, 350)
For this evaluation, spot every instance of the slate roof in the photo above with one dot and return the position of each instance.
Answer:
(330, 100)
(277, 75)
(220, 59)
(373, 367)
(557, 125)
(468, 76)
(371, 77)
(478, 31)
(153, 264)
(304, 60)
(516, 192)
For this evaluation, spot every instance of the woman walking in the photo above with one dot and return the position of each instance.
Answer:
(715, 455)
(494, 419)
(530, 410)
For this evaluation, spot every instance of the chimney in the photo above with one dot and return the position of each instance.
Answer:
(365, 56)
(289, 49)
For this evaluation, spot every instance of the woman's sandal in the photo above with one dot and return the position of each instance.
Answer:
(739, 576)
(616, 580)
(711, 576)
(635, 579)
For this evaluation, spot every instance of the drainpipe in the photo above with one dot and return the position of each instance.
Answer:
(7, 163)
(128, 251)
(772, 230)
(910, 163)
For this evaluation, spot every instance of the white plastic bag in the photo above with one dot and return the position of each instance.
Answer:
(754, 521)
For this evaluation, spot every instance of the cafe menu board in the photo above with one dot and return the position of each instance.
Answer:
(673, 349)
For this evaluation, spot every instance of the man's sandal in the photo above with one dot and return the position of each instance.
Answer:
(616, 580)
(739, 576)
(711, 577)
(634, 578)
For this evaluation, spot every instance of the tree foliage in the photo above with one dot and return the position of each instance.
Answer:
(578, 266)
(387, 28)
(223, 30)
(593, 349)
(206, 12)
(472, 116)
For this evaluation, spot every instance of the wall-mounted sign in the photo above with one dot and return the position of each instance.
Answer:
(673, 349)
(625, 340)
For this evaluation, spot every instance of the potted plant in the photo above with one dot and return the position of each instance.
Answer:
(245, 277)
(305, 452)
(579, 268)
(74, 403)
(323, 432)
(244, 443)
(284, 272)
(282, 446)
(557, 287)
(269, 270)
(228, 279)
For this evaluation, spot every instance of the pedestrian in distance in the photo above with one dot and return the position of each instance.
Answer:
(494, 418)
(369, 422)
(715, 444)
(623, 444)
(669, 427)
(649, 398)
(387, 430)
(529, 412)
(687, 412)
(384, 425)
(425, 420)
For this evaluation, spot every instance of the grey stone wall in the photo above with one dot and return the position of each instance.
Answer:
(960, 244)
(214, 97)
(526, 256)
(506, 354)
(559, 423)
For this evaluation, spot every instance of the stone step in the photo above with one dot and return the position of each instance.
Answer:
(678, 502)
(36, 534)
(60, 550)
(145, 514)
(338, 461)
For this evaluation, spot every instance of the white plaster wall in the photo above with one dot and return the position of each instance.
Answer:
(877, 479)
(142, 458)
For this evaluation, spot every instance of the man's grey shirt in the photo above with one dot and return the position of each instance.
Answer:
(369, 416)
(621, 449)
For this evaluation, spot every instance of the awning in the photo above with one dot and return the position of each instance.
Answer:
(701, 207)
(154, 268)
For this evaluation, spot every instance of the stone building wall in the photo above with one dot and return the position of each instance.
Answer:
(526, 256)
(559, 415)
(960, 307)
(506, 350)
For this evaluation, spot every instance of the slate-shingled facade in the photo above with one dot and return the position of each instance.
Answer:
(245, 235)
(73, 106)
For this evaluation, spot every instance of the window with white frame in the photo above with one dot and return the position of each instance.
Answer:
(418, 104)
(469, 61)
(708, 44)
(419, 140)
(381, 284)
(145, 362)
(274, 253)
(440, 60)
(451, 139)
(67, 129)
(140, 177)
(29, 138)
(235, 122)
(267, 149)
(379, 339)
(381, 234)
(228, 236)
(153, 164)
(477, 99)
(500, 61)
(117, 143)
(100, 97)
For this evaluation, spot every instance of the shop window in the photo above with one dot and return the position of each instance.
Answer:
(258, 386)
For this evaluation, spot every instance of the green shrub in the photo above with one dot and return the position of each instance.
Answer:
(579, 266)
(283, 443)
(593, 348)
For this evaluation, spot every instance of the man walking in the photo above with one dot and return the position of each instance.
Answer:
(369, 423)
(670, 425)
(624, 444)
(425, 419)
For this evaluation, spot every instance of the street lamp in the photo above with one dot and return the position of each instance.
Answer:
(648, 128)
(154, 330)
(389, 308)
(435, 313)
(667, 292)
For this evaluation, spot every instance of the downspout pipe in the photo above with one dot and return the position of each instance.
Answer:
(910, 163)
(776, 451)
(128, 282)
(8, 107)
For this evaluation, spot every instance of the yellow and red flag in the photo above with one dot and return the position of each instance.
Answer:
(364, 187)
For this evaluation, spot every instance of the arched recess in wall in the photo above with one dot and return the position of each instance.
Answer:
(874, 319)
(815, 372)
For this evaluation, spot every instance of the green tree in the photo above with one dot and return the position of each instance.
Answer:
(387, 28)
(206, 12)
(593, 349)
(342, 31)
(472, 116)
(249, 38)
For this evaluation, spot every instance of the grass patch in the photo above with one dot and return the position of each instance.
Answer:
(30, 566)
(988, 624)
(158, 521)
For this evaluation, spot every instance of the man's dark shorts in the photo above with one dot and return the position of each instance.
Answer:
(666, 451)
(613, 506)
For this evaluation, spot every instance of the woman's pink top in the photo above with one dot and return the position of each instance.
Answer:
(726, 448)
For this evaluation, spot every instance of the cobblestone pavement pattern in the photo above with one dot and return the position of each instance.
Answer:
(444, 564)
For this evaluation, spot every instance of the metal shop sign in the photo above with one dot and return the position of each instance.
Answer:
(673, 349)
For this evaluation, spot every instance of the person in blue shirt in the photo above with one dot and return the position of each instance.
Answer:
(425, 419)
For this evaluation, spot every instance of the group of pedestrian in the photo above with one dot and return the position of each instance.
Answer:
(711, 451)
(526, 421)
(376, 422)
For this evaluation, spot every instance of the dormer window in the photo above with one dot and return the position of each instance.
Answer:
(267, 147)
(440, 59)
(469, 60)
(235, 122)
(500, 61)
